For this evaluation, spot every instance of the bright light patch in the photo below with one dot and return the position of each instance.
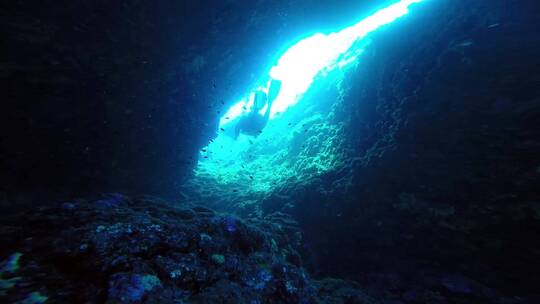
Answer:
(234, 112)
(300, 64)
(298, 143)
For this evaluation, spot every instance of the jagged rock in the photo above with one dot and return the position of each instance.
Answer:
(118, 249)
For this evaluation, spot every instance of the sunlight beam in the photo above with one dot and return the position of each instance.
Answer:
(301, 63)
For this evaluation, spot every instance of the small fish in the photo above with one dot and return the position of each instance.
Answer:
(260, 131)
(465, 43)
(218, 112)
(251, 177)
(222, 102)
(206, 157)
(251, 142)
(290, 124)
(204, 150)
(227, 117)
(493, 25)
(235, 190)
(244, 107)
(222, 129)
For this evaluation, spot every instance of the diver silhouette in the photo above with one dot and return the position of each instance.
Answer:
(253, 122)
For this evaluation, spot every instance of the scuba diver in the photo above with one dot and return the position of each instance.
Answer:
(253, 122)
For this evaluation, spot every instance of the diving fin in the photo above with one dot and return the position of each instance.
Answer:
(273, 91)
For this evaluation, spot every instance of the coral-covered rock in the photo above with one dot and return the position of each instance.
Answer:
(128, 250)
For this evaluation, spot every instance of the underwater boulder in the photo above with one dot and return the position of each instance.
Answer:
(139, 251)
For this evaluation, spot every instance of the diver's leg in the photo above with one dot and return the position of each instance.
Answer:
(267, 112)
(273, 91)
(237, 130)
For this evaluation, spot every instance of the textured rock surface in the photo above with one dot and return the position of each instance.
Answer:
(122, 250)
(438, 202)
(441, 194)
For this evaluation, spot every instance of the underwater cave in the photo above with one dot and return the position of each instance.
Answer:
(302, 136)
(306, 151)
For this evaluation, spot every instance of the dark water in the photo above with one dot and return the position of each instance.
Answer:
(409, 175)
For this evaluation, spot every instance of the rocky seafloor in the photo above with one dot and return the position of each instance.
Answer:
(117, 249)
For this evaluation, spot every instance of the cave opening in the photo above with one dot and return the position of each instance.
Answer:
(303, 138)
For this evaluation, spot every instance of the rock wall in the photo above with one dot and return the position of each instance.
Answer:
(442, 184)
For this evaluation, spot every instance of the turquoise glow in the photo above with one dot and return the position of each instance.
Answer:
(300, 64)
(303, 140)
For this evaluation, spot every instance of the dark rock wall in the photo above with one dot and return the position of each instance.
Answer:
(95, 97)
(445, 173)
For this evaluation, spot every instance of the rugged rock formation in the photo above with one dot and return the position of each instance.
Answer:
(117, 249)
(443, 181)
(438, 201)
